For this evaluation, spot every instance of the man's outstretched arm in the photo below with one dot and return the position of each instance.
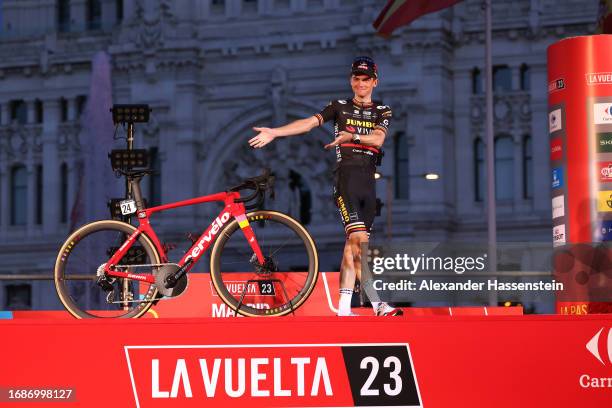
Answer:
(266, 135)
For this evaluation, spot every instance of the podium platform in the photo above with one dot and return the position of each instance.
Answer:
(415, 361)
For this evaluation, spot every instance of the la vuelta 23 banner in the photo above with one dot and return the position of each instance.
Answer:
(279, 375)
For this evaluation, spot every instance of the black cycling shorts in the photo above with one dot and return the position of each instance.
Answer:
(355, 197)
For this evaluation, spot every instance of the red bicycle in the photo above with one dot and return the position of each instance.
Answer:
(124, 269)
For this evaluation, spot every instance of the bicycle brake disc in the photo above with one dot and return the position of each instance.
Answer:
(160, 281)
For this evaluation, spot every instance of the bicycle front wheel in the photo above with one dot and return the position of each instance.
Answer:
(81, 262)
(287, 277)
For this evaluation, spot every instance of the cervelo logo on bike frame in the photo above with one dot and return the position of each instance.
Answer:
(215, 228)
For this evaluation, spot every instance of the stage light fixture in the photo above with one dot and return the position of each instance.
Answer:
(126, 159)
(130, 113)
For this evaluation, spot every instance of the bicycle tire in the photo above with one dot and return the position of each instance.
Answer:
(301, 237)
(71, 246)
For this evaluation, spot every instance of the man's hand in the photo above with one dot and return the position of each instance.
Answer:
(265, 136)
(343, 137)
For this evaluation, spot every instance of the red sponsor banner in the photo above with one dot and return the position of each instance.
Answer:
(605, 171)
(201, 300)
(299, 361)
(556, 149)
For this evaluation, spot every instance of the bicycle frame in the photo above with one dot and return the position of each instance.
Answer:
(191, 257)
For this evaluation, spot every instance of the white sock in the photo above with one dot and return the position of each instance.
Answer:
(344, 305)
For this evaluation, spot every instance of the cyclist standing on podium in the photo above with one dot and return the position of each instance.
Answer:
(360, 127)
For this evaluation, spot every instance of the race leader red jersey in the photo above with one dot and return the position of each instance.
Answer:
(360, 118)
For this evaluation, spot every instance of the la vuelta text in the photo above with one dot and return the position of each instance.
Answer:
(242, 377)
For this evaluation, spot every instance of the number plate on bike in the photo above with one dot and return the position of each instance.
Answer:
(127, 207)
(266, 288)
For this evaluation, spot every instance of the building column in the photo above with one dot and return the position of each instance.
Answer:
(74, 178)
(4, 199)
(109, 14)
(331, 4)
(516, 77)
(78, 15)
(31, 192)
(264, 7)
(129, 9)
(232, 8)
(518, 171)
(298, 5)
(51, 175)
(5, 114)
(31, 107)
(185, 146)
(540, 141)
(72, 109)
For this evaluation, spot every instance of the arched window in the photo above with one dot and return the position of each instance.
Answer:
(479, 170)
(504, 168)
(527, 168)
(401, 166)
(19, 195)
(64, 193)
(525, 78)
(502, 78)
(19, 112)
(476, 81)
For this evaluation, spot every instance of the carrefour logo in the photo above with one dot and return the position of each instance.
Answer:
(600, 346)
(602, 113)
(601, 350)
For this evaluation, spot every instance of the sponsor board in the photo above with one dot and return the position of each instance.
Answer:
(604, 142)
(604, 201)
(605, 171)
(559, 235)
(602, 113)
(557, 177)
(558, 206)
(556, 149)
(606, 230)
(555, 121)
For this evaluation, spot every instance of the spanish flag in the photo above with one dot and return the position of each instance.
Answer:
(403, 12)
(604, 20)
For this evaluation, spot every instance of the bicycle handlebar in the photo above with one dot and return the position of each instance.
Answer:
(260, 184)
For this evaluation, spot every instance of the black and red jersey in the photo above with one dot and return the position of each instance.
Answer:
(359, 118)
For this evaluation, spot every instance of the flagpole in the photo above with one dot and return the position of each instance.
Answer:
(490, 143)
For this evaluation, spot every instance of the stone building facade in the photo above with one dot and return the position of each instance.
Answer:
(213, 69)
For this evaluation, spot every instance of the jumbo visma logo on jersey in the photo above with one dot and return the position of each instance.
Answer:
(360, 126)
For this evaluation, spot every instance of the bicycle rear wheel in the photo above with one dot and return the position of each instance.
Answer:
(81, 261)
(279, 286)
